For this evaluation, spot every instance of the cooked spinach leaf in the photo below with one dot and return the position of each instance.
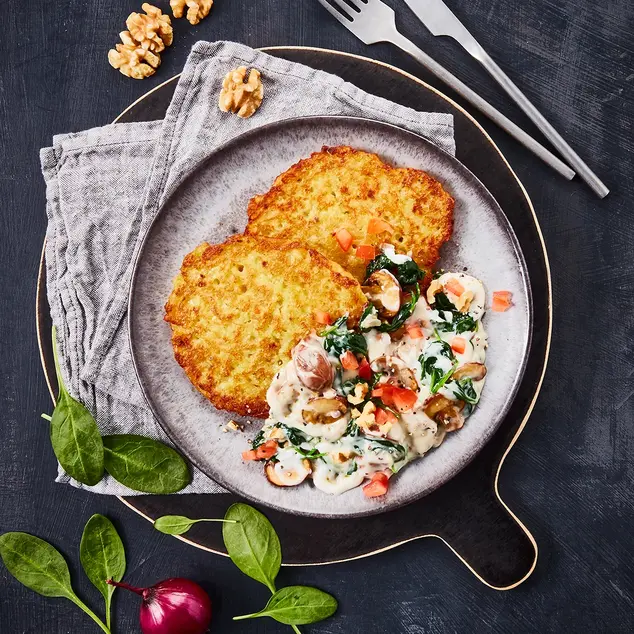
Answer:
(461, 322)
(428, 360)
(352, 429)
(441, 302)
(407, 273)
(311, 454)
(353, 467)
(258, 440)
(349, 385)
(398, 451)
(465, 391)
(295, 436)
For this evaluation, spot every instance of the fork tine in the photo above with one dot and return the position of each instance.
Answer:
(343, 16)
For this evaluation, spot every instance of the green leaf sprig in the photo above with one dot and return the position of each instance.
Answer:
(42, 568)
(102, 557)
(179, 524)
(254, 547)
(140, 463)
(75, 436)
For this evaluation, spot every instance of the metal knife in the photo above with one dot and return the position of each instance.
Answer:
(441, 20)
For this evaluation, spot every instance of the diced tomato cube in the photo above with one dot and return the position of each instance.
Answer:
(365, 252)
(385, 393)
(344, 238)
(323, 317)
(249, 455)
(376, 225)
(365, 371)
(349, 361)
(266, 450)
(404, 399)
(415, 332)
(454, 286)
(382, 416)
(458, 344)
(501, 301)
(377, 487)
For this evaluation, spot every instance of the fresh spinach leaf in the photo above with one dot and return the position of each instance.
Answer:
(74, 434)
(297, 605)
(40, 567)
(404, 312)
(144, 464)
(102, 557)
(179, 524)
(252, 544)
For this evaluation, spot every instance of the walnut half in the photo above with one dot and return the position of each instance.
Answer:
(132, 60)
(197, 10)
(152, 30)
(241, 97)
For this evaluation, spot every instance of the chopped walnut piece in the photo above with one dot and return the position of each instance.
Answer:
(152, 30)
(434, 288)
(132, 60)
(241, 97)
(464, 301)
(197, 10)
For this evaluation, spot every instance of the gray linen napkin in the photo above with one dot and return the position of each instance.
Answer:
(104, 187)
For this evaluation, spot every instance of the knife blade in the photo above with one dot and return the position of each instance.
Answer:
(441, 20)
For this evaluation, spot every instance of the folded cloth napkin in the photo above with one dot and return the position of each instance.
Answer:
(104, 187)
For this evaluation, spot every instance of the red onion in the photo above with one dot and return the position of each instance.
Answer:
(173, 606)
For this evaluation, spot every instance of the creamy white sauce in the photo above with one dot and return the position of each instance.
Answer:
(342, 458)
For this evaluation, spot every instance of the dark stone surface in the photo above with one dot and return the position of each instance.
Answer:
(571, 475)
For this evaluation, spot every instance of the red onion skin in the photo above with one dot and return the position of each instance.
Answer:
(173, 606)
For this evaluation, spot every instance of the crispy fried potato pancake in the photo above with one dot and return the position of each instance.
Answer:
(341, 187)
(237, 309)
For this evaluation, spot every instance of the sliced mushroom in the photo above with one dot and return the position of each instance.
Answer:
(451, 417)
(312, 366)
(445, 411)
(404, 377)
(279, 476)
(324, 410)
(384, 291)
(475, 371)
(436, 404)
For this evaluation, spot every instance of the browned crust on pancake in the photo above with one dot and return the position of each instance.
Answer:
(343, 187)
(232, 330)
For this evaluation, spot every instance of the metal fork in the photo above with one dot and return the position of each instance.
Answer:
(373, 21)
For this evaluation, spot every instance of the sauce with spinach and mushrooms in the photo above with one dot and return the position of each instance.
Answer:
(357, 404)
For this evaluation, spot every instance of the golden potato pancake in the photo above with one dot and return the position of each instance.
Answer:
(343, 188)
(238, 308)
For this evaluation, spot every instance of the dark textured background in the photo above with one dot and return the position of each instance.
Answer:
(570, 477)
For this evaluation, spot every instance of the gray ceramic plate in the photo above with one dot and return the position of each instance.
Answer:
(211, 205)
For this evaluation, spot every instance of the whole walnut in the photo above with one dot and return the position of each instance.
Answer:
(152, 30)
(197, 10)
(241, 97)
(131, 59)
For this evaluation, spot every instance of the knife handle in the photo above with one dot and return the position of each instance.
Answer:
(481, 104)
(544, 126)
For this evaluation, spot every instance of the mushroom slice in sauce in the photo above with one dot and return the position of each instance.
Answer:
(324, 410)
(312, 366)
(451, 417)
(475, 371)
(384, 291)
(445, 411)
(282, 476)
